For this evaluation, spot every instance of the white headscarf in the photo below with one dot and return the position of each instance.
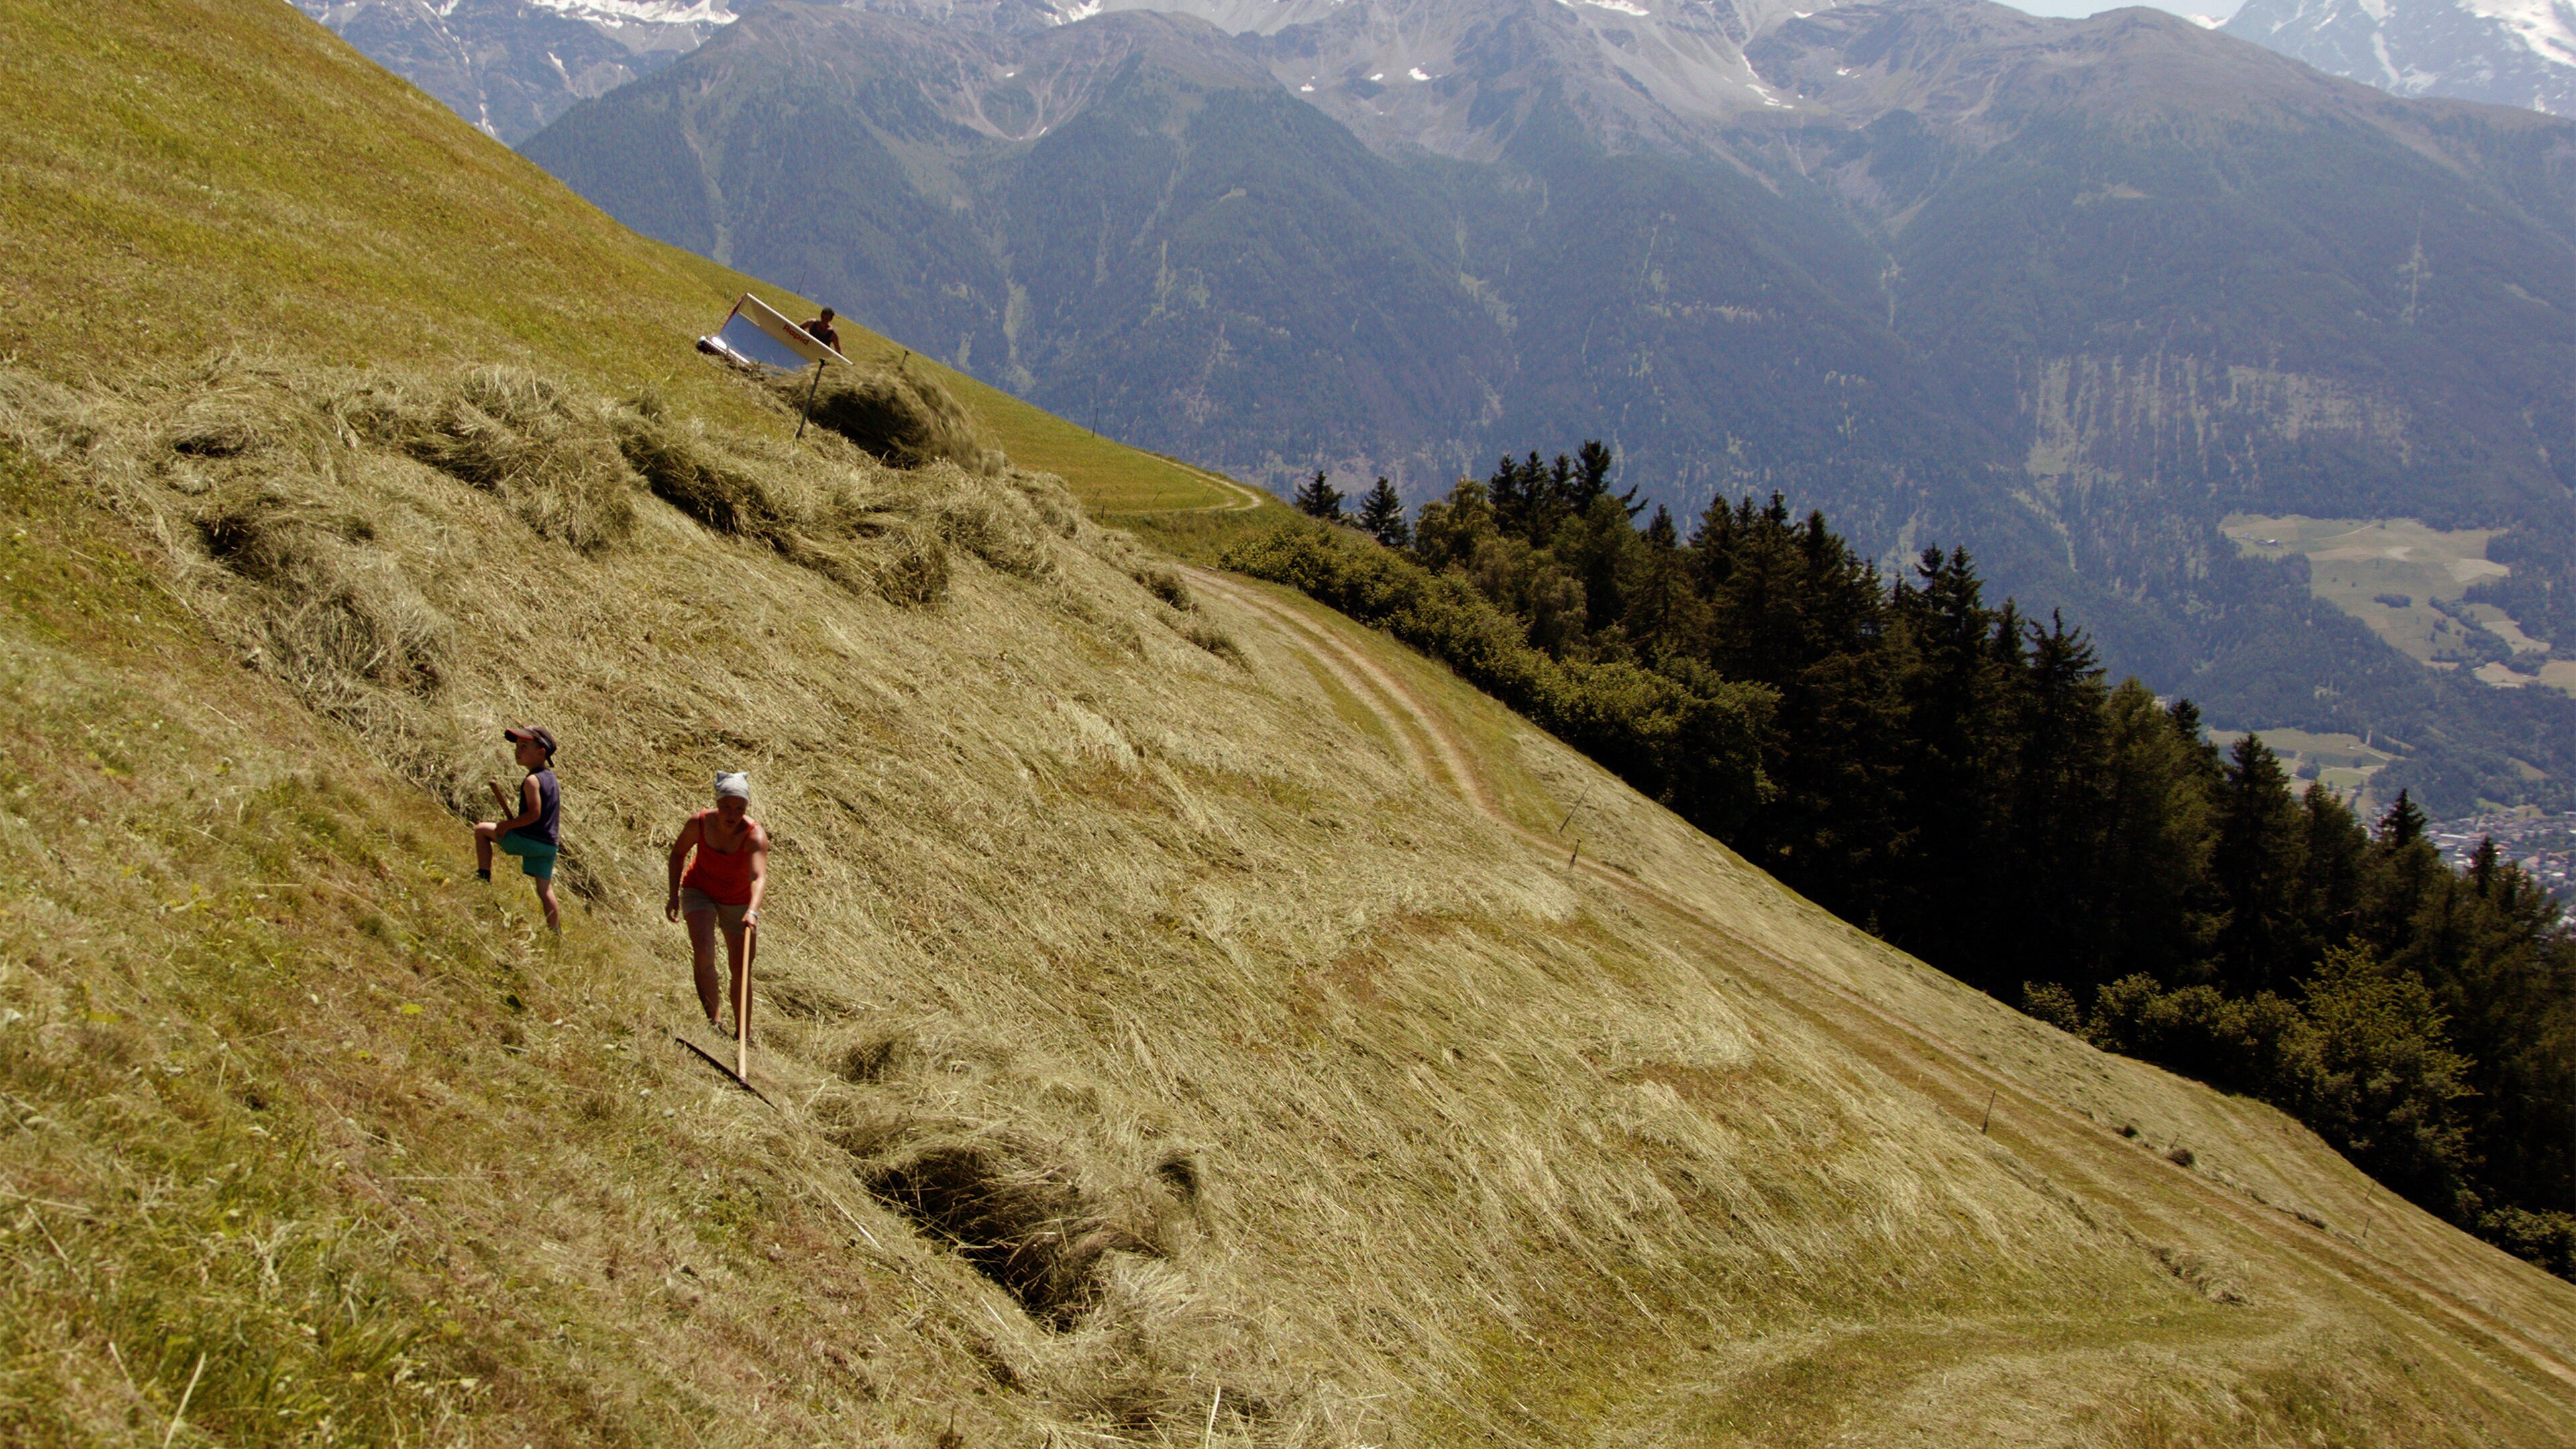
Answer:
(733, 782)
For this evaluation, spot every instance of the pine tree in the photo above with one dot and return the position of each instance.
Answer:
(2153, 898)
(1591, 479)
(2405, 870)
(1320, 499)
(1957, 776)
(1382, 516)
(2256, 864)
(2060, 809)
(2331, 875)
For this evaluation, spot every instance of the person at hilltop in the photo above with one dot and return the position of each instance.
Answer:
(721, 887)
(536, 831)
(822, 330)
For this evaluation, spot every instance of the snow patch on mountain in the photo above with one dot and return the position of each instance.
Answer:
(2503, 52)
(2547, 26)
(618, 13)
(510, 66)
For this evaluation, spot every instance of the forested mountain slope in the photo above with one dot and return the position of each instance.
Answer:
(1180, 1017)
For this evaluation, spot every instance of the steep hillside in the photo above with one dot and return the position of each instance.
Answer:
(1184, 1016)
(224, 202)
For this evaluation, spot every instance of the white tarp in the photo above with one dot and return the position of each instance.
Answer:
(759, 333)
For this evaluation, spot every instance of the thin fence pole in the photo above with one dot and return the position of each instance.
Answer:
(809, 400)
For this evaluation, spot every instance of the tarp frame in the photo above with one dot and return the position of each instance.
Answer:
(785, 333)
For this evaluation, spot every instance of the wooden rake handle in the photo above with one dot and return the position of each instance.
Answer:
(742, 1003)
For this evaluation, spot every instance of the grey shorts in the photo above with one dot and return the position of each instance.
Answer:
(694, 900)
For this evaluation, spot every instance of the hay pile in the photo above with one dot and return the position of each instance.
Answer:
(900, 415)
(299, 515)
(514, 434)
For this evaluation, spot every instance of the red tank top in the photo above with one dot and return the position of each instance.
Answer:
(725, 876)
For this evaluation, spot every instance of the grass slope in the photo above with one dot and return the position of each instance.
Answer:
(179, 176)
(1188, 1017)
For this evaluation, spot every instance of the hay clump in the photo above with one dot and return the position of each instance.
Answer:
(1165, 583)
(818, 512)
(688, 469)
(899, 416)
(318, 607)
(516, 434)
(1215, 641)
(333, 618)
(998, 528)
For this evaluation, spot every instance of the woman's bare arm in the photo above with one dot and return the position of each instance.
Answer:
(680, 848)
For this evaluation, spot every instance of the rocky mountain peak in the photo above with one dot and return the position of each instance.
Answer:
(510, 66)
(2504, 52)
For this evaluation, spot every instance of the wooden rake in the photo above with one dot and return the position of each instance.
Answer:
(740, 1071)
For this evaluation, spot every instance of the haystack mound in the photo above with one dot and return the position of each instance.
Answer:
(900, 415)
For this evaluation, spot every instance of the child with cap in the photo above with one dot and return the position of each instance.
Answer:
(536, 830)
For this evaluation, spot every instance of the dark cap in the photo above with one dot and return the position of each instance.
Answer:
(544, 737)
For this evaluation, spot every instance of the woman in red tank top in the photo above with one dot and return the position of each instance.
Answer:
(720, 888)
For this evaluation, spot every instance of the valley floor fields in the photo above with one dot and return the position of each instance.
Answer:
(2408, 582)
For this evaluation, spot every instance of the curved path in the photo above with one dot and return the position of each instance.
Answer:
(2159, 1205)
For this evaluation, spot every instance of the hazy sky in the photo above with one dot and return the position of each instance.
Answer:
(2091, 7)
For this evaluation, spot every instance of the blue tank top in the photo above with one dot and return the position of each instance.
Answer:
(546, 826)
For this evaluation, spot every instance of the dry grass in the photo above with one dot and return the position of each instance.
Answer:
(1145, 1025)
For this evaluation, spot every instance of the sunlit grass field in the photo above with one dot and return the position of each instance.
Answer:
(185, 179)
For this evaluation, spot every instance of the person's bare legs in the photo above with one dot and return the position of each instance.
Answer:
(702, 962)
(546, 898)
(484, 832)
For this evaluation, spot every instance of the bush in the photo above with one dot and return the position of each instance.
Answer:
(2377, 1077)
(2547, 1239)
(2199, 1031)
(2054, 1004)
(1688, 740)
(2364, 1062)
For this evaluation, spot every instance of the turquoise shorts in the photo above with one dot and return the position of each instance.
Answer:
(535, 856)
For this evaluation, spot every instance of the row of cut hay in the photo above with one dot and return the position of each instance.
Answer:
(266, 485)
(245, 474)
(515, 434)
